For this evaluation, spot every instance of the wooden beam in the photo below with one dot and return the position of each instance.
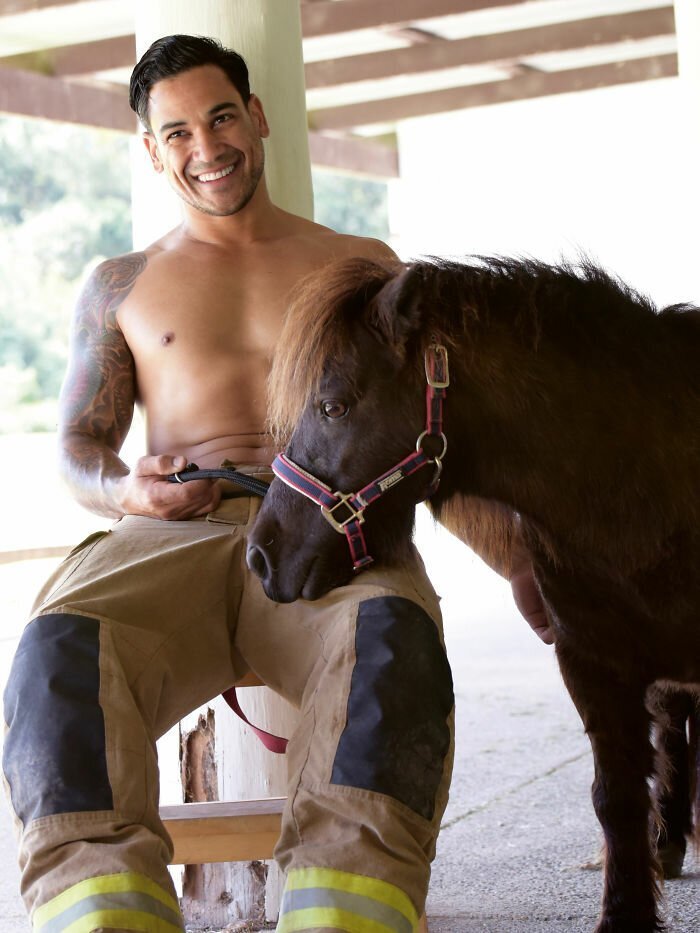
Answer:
(120, 52)
(90, 57)
(528, 85)
(323, 19)
(357, 156)
(479, 50)
(81, 59)
(12, 7)
(35, 95)
(243, 831)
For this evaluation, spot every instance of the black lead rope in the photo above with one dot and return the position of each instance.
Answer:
(257, 487)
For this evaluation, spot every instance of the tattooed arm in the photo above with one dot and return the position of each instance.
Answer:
(97, 405)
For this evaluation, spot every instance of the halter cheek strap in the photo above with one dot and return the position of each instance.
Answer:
(345, 511)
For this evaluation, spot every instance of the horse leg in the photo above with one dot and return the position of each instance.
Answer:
(672, 788)
(617, 722)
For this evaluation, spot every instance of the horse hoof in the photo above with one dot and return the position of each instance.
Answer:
(671, 858)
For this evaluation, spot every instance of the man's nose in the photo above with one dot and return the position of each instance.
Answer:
(207, 146)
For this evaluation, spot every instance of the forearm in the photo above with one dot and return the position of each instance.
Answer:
(92, 471)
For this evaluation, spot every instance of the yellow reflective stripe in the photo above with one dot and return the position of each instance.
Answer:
(313, 918)
(375, 888)
(121, 920)
(127, 881)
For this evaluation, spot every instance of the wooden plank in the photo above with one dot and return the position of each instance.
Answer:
(479, 50)
(71, 60)
(89, 57)
(528, 85)
(357, 156)
(35, 95)
(322, 19)
(239, 831)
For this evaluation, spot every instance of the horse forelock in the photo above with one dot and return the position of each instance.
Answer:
(316, 331)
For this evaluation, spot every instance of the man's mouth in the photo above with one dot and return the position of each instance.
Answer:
(215, 176)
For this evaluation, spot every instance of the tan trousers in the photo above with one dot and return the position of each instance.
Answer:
(145, 622)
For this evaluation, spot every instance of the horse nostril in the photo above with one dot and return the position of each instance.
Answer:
(255, 559)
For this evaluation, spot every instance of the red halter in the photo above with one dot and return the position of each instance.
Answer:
(345, 511)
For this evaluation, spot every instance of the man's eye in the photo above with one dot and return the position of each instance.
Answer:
(334, 408)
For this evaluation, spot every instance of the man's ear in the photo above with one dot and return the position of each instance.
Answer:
(151, 145)
(257, 115)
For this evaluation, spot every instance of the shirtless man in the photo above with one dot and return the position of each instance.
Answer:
(151, 619)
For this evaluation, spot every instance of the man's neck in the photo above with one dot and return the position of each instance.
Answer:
(258, 220)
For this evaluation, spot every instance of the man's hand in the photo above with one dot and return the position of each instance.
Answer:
(529, 602)
(146, 491)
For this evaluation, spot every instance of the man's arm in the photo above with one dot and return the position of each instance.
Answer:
(97, 405)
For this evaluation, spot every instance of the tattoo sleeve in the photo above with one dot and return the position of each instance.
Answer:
(97, 398)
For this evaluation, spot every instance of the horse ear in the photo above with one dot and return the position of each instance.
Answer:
(395, 313)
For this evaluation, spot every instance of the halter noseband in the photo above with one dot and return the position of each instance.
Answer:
(345, 511)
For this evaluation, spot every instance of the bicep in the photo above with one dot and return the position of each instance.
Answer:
(97, 398)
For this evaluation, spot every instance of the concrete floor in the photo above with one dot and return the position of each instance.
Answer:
(519, 833)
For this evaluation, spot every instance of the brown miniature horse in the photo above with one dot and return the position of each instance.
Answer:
(572, 417)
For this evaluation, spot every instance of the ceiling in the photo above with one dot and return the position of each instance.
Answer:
(368, 63)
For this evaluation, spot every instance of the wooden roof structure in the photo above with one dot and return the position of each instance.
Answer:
(368, 63)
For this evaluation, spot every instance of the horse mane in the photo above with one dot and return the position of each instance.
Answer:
(579, 302)
(316, 329)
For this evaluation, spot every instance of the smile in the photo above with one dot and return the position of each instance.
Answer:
(215, 176)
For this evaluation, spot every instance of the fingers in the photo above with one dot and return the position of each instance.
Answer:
(159, 465)
(152, 495)
(529, 601)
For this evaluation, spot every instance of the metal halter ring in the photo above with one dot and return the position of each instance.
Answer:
(442, 437)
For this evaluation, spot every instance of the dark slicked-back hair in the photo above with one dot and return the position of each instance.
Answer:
(172, 55)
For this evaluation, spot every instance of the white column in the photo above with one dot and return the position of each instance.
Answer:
(268, 35)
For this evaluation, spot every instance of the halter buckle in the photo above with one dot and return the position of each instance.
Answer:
(436, 354)
(339, 524)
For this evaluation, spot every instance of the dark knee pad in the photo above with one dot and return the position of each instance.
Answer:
(397, 734)
(54, 754)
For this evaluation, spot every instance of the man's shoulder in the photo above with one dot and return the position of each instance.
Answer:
(343, 245)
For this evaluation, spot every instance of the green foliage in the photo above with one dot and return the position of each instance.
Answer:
(351, 205)
(65, 203)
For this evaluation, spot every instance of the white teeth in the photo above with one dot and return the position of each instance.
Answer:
(212, 176)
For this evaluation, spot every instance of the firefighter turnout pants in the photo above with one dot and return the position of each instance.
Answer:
(147, 621)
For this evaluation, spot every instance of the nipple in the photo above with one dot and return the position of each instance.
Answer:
(167, 338)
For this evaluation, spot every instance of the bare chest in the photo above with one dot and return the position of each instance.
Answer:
(208, 312)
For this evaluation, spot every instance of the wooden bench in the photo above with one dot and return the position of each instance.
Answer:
(237, 831)
(224, 831)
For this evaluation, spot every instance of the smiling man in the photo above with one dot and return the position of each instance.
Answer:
(145, 622)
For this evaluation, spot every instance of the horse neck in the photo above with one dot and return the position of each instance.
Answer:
(555, 440)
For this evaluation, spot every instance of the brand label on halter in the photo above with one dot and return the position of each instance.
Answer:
(390, 480)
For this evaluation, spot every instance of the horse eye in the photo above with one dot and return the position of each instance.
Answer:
(334, 408)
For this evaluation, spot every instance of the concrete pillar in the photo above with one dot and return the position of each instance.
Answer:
(268, 35)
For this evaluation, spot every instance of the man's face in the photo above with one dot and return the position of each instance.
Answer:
(205, 139)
